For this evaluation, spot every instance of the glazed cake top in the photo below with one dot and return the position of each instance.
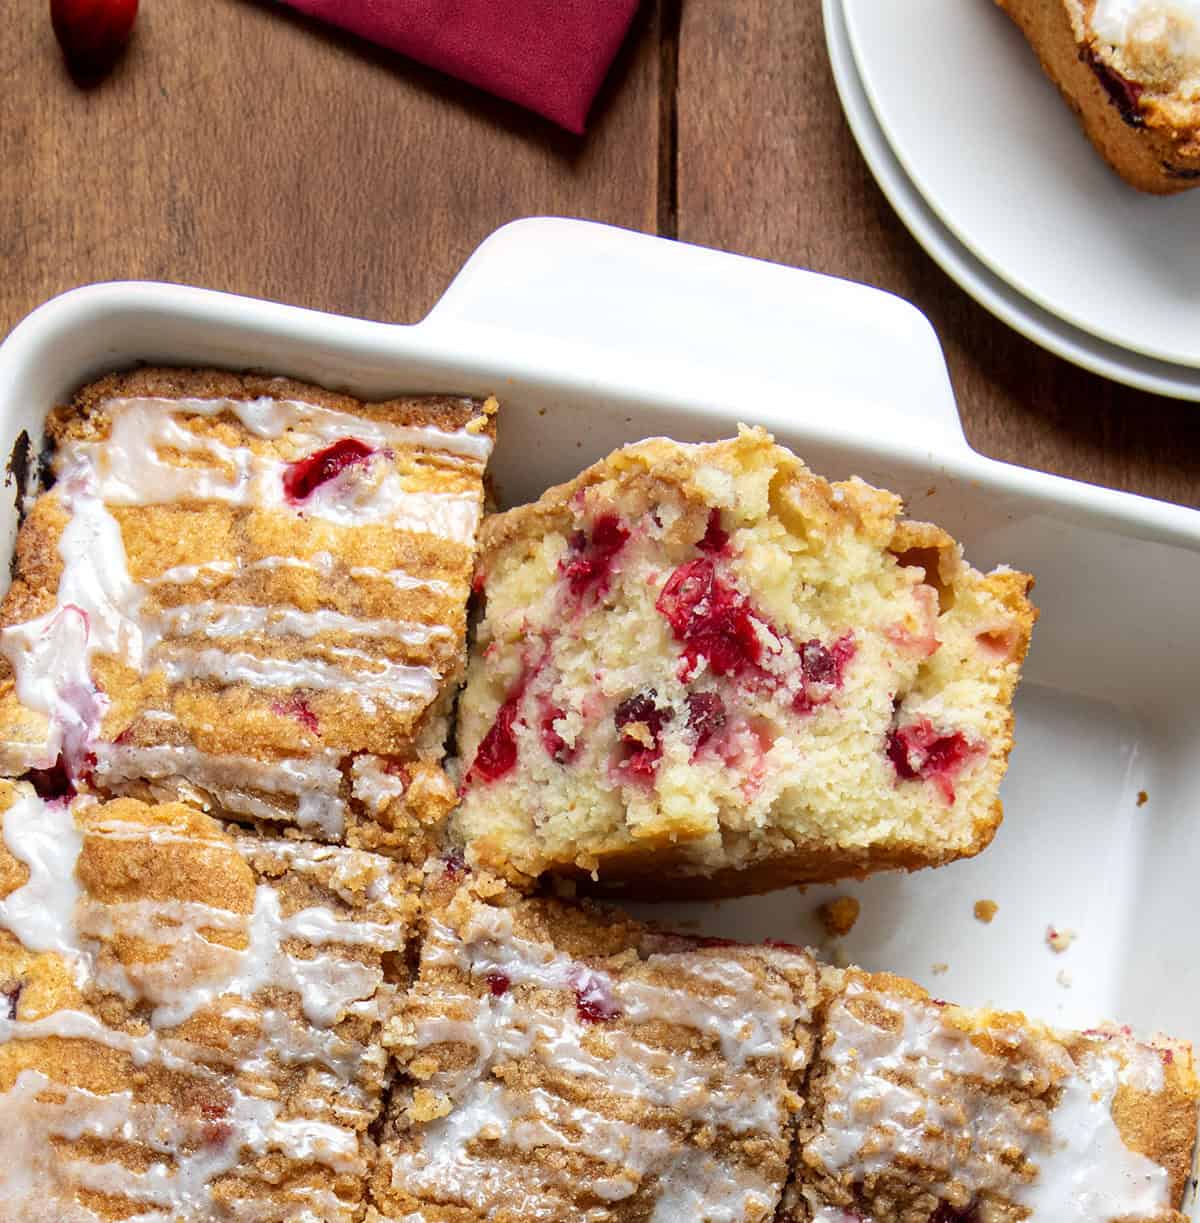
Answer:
(191, 1016)
(244, 580)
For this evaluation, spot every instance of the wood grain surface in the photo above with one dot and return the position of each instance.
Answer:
(242, 148)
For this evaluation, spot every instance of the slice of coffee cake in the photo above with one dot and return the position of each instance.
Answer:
(703, 669)
(565, 1063)
(923, 1112)
(250, 593)
(190, 1018)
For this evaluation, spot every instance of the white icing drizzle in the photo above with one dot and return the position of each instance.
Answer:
(152, 456)
(323, 957)
(321, 563)
(1174, 23)
(747, 1018)
(96, 611)
(312, 781)
(373, 786)
(41, 913)
(214, 620)
(913, 1094)
(394, 684)
(267, 417)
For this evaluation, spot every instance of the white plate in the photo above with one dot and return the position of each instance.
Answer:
(990, 145)
(993, 293)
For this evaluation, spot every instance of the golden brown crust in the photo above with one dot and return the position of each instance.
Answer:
(1021, 1094)
(1150, 150)
(170, 382)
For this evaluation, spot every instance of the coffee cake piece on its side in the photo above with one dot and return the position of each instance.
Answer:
(704, 670)
(1130, 69)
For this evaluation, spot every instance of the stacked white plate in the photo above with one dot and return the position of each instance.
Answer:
(990, 171)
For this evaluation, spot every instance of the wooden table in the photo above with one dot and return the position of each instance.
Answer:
(242, 148)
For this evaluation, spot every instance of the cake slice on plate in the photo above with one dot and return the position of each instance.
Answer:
(190, 1018)
(1130, 69)
(704, 670)
(250, 593)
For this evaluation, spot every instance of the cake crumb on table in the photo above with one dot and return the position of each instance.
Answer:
(985, 910)
(839, 915)
(1059, 939)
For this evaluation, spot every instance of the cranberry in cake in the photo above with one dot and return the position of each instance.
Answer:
(1130, 69)
(190, 1018)
(563, 1063)
(249, 593)
(918, 1111)
(705, 670)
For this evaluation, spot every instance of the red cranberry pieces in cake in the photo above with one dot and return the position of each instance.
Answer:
(561, 1062)
(704, 669)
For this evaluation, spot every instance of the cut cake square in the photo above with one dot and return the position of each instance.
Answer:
(565, 1063)
(918, 1111)
(249, 593)
(191, 1017)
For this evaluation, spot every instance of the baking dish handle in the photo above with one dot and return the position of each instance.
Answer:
(713, 317)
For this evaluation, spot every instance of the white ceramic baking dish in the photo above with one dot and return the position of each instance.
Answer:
(593, 337)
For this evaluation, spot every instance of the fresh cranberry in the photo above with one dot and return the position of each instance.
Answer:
(588, 563)
(640, 758)
(397, 768)
(823, 667)
(946, 1213)
(216, 1133)
(498, 983)
(705, 716)
(594, 1001)
(919, 752)
(711, 620)
(1126, 95)
(557, 748)
(454, 863)
(297, 707)
(53, 784)
(12, 997)
(497, 752)
(715, 536)
(303, 477)
(92, 33)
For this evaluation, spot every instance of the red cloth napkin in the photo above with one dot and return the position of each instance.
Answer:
(547, 55)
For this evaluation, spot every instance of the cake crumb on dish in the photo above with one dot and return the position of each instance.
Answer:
(1143, 798)
(839, 915)
(985, 911)
(1058, 939)
(1063, 978)
(939, 968)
